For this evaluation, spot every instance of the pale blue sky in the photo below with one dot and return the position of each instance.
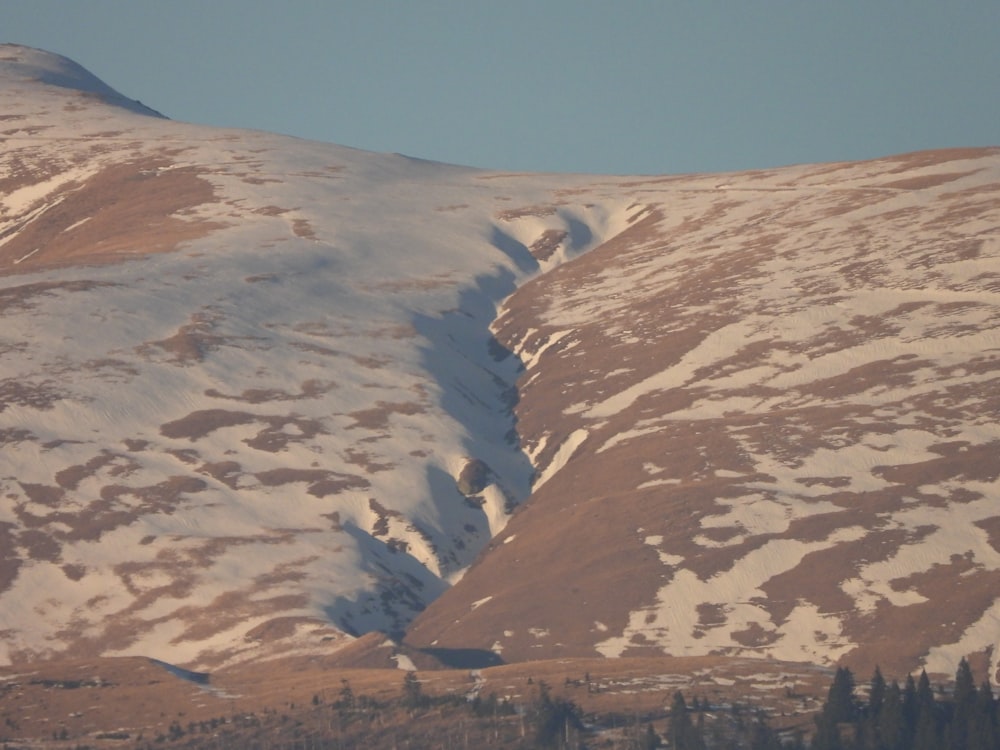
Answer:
(628, 87)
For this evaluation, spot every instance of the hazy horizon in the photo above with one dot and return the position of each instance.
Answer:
(639, 87)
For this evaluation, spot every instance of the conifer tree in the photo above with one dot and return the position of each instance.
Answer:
(346, 696)
(840, 708)
(876, 695)
(868, 725)
(650, 740)
(963, 708)
(965, 685)
(683, 734)
(890, 728)
(827, 735)
(925, 736)
(909, 711)
(841, 704)
(413, 696)
(762, 737)
(554, 719)
(925, 694)
(983, 733)
(910, 719)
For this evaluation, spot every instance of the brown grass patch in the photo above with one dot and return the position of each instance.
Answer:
(513, 214)
(302, 228)
(227, 472)
(273, 438)
(191, 342)
(546, 245)
(322, 482)
(377, 418)
(131, 210)
(22, 298)
(309, 389)
(200, 423)
(41, 396)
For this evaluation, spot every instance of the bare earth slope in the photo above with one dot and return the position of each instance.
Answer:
(256, 399)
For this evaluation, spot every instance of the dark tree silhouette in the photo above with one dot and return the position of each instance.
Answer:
(910, 719)
(683, 733)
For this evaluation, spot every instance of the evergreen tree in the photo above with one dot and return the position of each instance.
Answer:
(827, 735)
(413, 696)
(965, 685)
(865, 733)
(554, 719)
(868, 734)
(345, 698)
(650, 740)
(892, 719)
(762, 737)
(983, 733)
(926, 735)
(909, 711)
(841, 704)
(876, 695)
(890, 728)
(683, 734)
(840, 708)
(963, 708)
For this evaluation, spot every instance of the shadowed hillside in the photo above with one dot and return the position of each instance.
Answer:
(264, 400)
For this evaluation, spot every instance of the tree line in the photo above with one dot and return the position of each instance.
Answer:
(888, 716)
(911, 717)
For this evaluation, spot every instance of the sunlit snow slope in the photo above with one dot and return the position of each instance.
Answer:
(766, 421)
(259, 395)
(255, 442)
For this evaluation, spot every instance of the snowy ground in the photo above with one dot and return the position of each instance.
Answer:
(241, 376)
(259, 434)
(787, 384)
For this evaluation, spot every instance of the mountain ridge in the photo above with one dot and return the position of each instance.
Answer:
(282, 394)
(261, 396)
(28, 64)
(748, 500)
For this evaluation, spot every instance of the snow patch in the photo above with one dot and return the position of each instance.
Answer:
(404, 662)
(562, 456)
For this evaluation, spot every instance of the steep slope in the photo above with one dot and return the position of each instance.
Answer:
(256, 441)
(765, 422)
(255, 399)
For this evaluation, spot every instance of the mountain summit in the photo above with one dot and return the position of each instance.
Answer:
(261, 396)
(26, 65)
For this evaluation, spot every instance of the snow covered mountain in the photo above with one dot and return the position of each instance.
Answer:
(258, 395)
(765, 421)
(260, 436)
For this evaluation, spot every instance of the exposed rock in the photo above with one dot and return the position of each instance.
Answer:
(474, 477)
